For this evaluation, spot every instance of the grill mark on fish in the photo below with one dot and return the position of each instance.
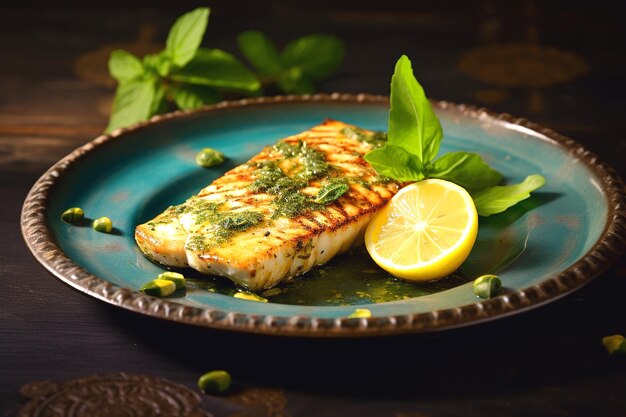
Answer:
(310, 217)
(341, 210)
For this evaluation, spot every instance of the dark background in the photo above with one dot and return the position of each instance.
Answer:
(55, 95)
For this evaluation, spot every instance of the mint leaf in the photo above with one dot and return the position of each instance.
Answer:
(216, 68)
(133, 103)
(465, 169)
(189, 97)
(316, 55)
(395, 162)
(186, 35)
(499, 198)
(260, 51)
(293, 81)
(124, 66)
(413, 124)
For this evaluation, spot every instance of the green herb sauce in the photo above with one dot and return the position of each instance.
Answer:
(307, 164)
(377, 139)
(313, 163)
(270, 178)
(197, 242)
(222, 225)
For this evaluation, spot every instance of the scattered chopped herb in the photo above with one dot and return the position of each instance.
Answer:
(177, 278)
(159, 288)
(486, 286)
(614, 344)
(360, 313)
(103, 225)
(214, 382)
(74, 215)
(208, 158)
(245, 295)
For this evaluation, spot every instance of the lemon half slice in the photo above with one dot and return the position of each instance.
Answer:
(425, 232)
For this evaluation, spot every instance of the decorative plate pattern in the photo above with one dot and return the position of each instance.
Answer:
(602, 248)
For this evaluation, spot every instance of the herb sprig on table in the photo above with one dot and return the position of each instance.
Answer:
(187, 76)
(302, 62)
(413, 141)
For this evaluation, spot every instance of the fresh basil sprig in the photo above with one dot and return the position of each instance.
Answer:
(183, 74)
(302, 62)
(413, 141)
(496, 199)
(188, 76)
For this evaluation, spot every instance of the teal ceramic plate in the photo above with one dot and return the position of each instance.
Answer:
(549, 245)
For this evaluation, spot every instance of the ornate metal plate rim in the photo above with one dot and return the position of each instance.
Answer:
(609, 247)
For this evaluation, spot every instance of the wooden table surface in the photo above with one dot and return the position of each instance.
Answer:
(567, 66)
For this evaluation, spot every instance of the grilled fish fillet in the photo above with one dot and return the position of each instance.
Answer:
(247, 228)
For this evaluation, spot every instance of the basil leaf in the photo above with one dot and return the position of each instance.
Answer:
(331, 191)
(293, 81)
(164, 64)
(158, 63)
(413, 124)
(159, 100)
(132, 104)
(189, 96)
(186, 35)
(499, 198)
(124, 66)
(216, 68)
(316, 55)
(260, 51)
(395, 162)
(151, 62)
(465, 169)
